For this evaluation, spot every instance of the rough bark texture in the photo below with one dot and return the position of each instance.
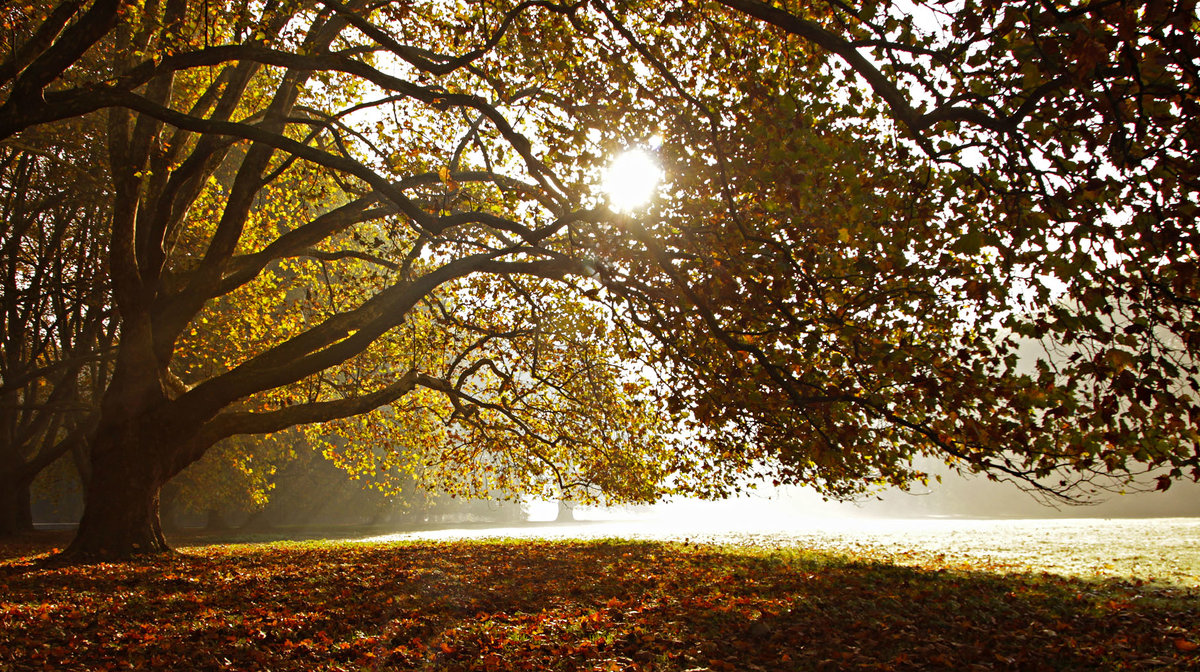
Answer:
(120, 517)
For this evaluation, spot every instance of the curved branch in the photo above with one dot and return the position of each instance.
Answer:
(347, 334)
(915, 120)
(439, 64)
(230, 423)
(59, 55)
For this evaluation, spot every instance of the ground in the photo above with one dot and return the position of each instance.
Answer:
(602, 604)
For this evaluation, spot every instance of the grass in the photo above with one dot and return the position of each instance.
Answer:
(574, 605)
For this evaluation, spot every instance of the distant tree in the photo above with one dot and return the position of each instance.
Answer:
(566, 512)
(234, 478)
(401, 202)
(283, 481)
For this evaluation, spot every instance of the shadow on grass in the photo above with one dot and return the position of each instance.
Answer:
(620, 605)
(46, 538)
(190, 537)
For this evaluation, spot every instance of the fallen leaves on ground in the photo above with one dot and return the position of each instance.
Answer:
(573, 605)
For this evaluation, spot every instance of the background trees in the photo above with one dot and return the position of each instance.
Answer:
(324, 210)
(56, 324)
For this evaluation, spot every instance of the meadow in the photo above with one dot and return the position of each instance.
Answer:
(592, 604)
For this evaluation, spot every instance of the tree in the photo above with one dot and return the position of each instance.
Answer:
(402, 204)
(419, 248)
(1060, 146)
(55, 326)
(235, 476)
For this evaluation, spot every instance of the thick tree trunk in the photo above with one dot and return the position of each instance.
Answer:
(16, 514)
(120, 516)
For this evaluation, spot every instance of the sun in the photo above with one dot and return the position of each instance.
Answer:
(631, 180)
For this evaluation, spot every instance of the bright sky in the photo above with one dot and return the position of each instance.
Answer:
(632, 180)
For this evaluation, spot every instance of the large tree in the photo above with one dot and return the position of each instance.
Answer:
(401, 204)
(1040, 322)
(398, 195)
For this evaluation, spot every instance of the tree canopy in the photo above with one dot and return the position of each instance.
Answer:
(960, 230)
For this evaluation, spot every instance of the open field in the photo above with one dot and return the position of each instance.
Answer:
(597, 604)
(1160, 550)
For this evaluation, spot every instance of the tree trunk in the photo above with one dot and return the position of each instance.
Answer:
(120, 515)
(566, 512)
(258, 521)
(16, 514)
(216, 521)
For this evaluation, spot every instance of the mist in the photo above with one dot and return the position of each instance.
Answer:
(956, 496)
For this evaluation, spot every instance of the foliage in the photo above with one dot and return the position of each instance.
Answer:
(237, 475)
(607, 605)
(324, 211)
(938, 249)
(281, 279)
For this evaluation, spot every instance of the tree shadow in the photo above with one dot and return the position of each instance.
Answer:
(606, 604)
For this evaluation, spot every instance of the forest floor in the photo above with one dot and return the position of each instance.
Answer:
(571, 604)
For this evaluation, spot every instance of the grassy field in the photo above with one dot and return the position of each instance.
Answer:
(577, 605)
(1156, 550)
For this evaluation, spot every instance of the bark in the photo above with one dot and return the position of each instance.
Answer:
(120, 516)
(16, 515)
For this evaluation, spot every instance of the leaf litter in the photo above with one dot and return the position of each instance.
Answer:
(604, 604)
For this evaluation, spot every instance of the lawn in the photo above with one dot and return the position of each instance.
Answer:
(575, 605)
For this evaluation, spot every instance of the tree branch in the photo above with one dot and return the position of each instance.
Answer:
(229, 423)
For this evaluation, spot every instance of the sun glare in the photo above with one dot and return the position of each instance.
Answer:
(631, 180)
